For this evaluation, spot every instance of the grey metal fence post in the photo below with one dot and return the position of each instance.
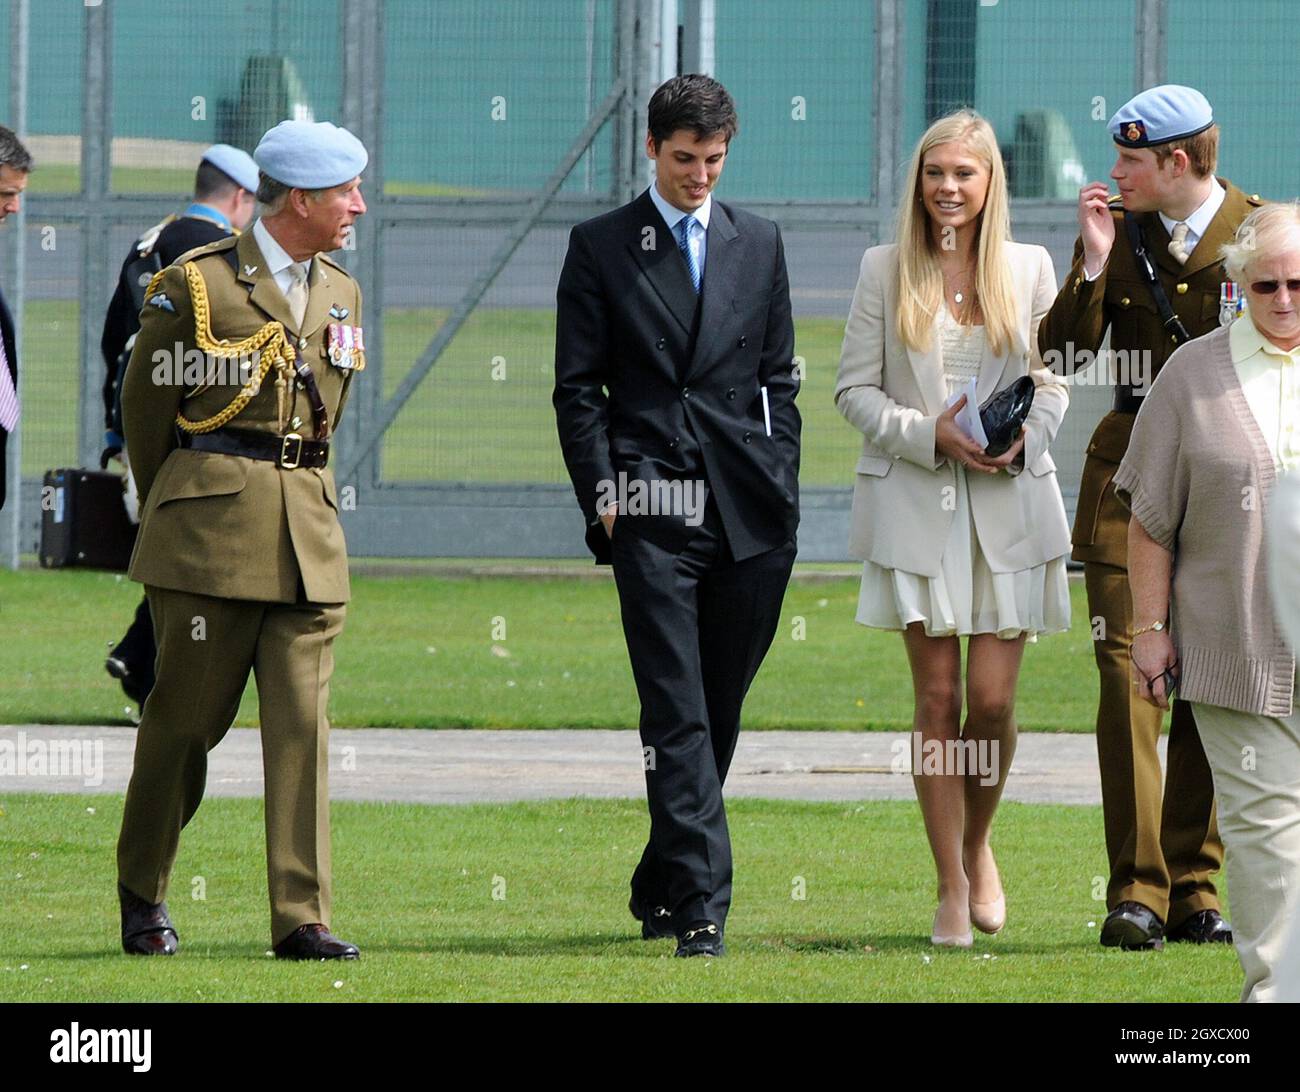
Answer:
(362, 106)
(96, 144)
(888, 102)
(1152, 18)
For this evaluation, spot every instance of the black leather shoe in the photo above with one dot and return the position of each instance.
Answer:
(1133, 927)
(146, 927)
(656, 921)
(315, 942)
(136, 683)
(1203, 927)
(701, 939)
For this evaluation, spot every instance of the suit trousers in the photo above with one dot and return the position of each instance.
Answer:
(1256, 763)
(697, 624)
(206, 649)
(1163, 852)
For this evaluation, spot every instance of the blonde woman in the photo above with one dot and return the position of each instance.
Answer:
(956, 543)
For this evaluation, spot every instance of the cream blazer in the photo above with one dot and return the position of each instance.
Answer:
(904, 494)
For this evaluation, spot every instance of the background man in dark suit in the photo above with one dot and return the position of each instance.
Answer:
(674, 396)
(225, 188)
(15, 165)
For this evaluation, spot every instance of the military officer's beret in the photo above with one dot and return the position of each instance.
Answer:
(1161, 114)
(235, 163)
(310, 155)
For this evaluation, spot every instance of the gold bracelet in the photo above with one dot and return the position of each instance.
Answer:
(1154, 627)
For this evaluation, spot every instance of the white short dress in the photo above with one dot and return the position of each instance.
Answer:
(967, 597)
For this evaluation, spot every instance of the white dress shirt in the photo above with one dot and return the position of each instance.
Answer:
(277, 259)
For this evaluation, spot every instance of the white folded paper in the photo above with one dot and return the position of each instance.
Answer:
(968, 417)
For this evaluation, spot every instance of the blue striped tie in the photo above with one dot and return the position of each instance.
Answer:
(686, 223)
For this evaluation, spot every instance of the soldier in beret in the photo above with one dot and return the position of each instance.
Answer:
(1146, 269)
(225, 186)
(240, 548)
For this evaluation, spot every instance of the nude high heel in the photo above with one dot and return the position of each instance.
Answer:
(989, 917)
(949, 939)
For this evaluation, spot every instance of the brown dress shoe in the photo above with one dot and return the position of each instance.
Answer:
(315, 942)
(146, 927)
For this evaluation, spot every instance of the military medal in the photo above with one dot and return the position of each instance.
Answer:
(346, 349)
(1231, 302)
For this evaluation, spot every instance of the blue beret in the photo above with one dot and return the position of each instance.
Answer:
(236, 164)
(310, 155)
(1161, 114)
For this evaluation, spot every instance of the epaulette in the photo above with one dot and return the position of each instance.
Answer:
(214, 247)
(331, 262)
(145, 244)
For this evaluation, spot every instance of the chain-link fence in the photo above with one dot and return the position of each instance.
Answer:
(492, 129)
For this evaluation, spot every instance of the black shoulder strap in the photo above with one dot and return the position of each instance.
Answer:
(1147, 268)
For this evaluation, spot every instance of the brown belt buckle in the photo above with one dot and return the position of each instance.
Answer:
(283, 460)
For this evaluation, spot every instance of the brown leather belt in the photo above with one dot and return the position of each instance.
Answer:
(289, 452)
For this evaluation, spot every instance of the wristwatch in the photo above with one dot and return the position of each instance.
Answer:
(1154, 627)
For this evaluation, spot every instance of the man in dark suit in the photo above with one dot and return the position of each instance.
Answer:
(225, 186)
(15, 165)
(674, 397)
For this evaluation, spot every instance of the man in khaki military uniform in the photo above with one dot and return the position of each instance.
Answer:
(1162, 856)
(240, 547)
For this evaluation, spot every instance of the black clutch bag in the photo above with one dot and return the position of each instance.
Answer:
(1004, 413)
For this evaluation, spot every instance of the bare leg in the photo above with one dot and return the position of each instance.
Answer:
(992, 668)
(936, 684)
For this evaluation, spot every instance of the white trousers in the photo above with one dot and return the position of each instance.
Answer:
(1256, 765)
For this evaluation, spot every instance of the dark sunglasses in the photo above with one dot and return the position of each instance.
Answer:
(1267, 288)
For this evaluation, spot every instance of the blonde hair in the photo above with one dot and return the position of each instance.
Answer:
(920, 282)
(1262, 234)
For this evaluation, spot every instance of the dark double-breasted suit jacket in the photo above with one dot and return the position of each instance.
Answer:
(11, 355)
(663, 385)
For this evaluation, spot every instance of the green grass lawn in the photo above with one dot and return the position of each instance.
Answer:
(421, 652)
(414, 890)
(461, 425)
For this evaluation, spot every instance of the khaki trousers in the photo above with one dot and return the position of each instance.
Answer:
(1256, 764)
(1164, 848)
(206, 649)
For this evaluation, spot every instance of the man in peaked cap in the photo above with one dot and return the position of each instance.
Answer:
(1171, 216)
(225, 186)
(240, 548)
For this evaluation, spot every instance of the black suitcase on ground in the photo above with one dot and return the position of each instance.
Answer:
(83, 521)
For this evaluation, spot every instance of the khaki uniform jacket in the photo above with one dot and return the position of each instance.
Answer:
(1119, 300)
(225, 525)
(893, 395)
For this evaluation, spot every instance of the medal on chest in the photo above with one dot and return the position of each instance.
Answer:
(1231, 302)
(346, 347)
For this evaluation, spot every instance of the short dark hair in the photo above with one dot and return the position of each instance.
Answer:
(695, 102)
(12, 152)
(212, 181)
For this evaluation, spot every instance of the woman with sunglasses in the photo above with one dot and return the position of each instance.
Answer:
(1220, 426)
